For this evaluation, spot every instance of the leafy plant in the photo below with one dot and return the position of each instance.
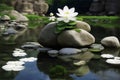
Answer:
(66, 19)
(58, 71)
(5, 7)
(103, 21)
(61, 26)
(35, 20)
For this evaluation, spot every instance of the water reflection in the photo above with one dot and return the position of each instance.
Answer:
(112, 51)
(109, 74)
(96, 69)
(88, 76)
(31, 72)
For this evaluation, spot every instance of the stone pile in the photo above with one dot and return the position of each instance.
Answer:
(67, 38)
(39, 7)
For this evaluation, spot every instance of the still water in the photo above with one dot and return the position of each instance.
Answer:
(95, 69)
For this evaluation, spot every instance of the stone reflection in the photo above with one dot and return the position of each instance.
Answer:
(113, 51)
(61, 67)
(31, 72)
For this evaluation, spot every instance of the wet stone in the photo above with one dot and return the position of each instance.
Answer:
(53, 53)
(31, 45)
(97, 46)
(69, 51)
(80, 63)
(44, 50)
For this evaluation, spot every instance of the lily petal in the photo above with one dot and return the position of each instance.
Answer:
(72, 10)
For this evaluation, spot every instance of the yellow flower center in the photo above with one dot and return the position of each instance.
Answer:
(67, 12)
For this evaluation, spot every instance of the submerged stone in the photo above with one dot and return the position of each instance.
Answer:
(81, 71)
(97, 46)
(80, 63)
(53, 53)
(87, 56)
(11, 30)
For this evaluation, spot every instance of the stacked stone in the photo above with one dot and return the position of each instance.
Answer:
(39, 7)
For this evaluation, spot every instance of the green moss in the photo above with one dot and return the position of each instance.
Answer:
(103, 21)
(58, 71)
(5, 7)
(5, 10)
(95, 50)
(36, 21)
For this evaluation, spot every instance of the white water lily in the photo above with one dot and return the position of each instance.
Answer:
(13, 66)
(117, 58)
(17, 49)
(17, 63)
(113, 61)
(107, 56)
(19, 54)
(67, 14)
(30, 59)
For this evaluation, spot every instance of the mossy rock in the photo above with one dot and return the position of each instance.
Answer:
(95, 50)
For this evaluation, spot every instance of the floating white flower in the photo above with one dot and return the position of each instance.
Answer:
(117, 58)
(107, 56)
(67, 14)
(17, 63)
(30, 59)
(18, 53)
(17, 49)
(113, 61)
(13, 66)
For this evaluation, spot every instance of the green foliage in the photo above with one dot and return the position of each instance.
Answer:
(58, 71)
(50, 2)
(77, 30)
(95, 50)
(11, 16)
(61, 26)
(103, 21)
(5, 7)
(36, 21)
(4, 10)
